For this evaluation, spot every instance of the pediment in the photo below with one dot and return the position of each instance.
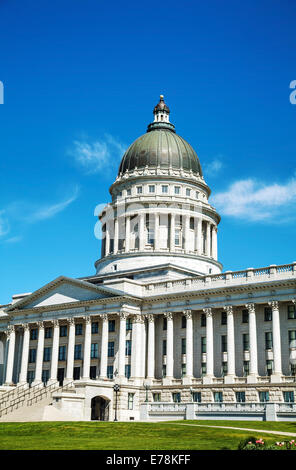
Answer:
(62, 291)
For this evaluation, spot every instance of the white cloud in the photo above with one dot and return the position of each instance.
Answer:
(213, 168)
(253, 200)
(100, 155)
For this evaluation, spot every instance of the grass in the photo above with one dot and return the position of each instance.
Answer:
(132, 436)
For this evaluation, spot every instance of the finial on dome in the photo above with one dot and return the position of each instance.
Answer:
(161, 111)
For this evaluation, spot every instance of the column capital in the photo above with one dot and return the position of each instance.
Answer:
(56, 323)
(40, 325)
(87, 319)
(123, 314)
(138, 318)
(208, 311)
(274, 304)
(187, 314)
(228, 309)
(150, 317)
(71, 321)
(26, 326)
(294, 301)
(168, 315)
(104, 317)
(251, 307)
(10, 329)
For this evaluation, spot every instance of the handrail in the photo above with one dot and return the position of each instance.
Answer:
(12, 392)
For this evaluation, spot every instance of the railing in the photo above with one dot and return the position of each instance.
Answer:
(6, 396)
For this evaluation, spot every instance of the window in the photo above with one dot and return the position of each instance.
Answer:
(165, 323)
(191, 223)
(62, 353)
(164, 189)
(129, 324)
(246, 343)
(130, 401)
(196, 194)
(150, 236)
(176, 397)
(203, 320)
(128, 192)
(196, 397)
(177, 237)
(218, 397)
(224, 369)
(164, 370)
(183, 345)
(30, 376)
(164, 348)
(288, 397)
(78, 351)
(32, 355)
(110, 372)
(111, 349)
(263, 397)
(292, 337)
(156, 396)
(245, 316)
(48, 332)
(223, 318)
(78, 329)
(46, 354)
(183, 370)
(246, 368)
(268, 340)
(33, 333)
(203, 369)
(76, 373)
(128, 347)
(95, 327)
(94, 351)
(188, 192)
(139, 189)
(184, 322)
(269, 367)
(127, 371)
(177, 189)
(267, 314)
(291, 312)
(224, 343)
(63, 330)
(203, 344)
(111, 326)
(93, 372)
(151, 188)
(240, 397)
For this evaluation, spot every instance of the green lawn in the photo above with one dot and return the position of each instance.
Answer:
(131, 436)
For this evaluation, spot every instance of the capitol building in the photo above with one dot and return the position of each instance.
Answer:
(160, 331)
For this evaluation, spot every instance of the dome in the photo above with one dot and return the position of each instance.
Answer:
(160, 147)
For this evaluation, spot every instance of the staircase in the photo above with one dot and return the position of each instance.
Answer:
(29, 404)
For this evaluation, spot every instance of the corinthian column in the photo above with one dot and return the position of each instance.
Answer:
(122, 339)
(189, 344)
(55, 352)
(253, 372)
(170, 346)
(25, 354)
(276, 339)
(104, 347)
(10, 358)
(172, 233)
(151, 347)
(40, 350)
(210, 345)
(127, 233)
(71, 347)
(230, 345)
(87, 348)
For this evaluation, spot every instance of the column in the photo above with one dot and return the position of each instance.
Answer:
(230, 345)
(71, 347)
(186, 236)
(141, 232)
(127, 232)
(209, 344)
(55, 352)
(208, 245)
(10, 357)
(214, 243)
(253, 370)
(104, 347)
(121, 348)
(115, 245)
(107, 238)
(156, 231)
(87, 348)
(189, 343)
(172, 233)
(170, 345)
(40, 352)
(199, 236)
(25, 354)
(151, 347)
(137, 344)
(276, 338)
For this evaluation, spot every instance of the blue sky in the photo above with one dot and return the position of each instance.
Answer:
(81, 79)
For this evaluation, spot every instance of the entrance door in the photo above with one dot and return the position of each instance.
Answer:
(100, 409)
(61, 375)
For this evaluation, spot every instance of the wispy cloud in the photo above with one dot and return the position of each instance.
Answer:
(253, 200)
(213, 167)
(99, 156)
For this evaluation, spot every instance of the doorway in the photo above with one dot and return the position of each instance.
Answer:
(61, 375)
(100, 409)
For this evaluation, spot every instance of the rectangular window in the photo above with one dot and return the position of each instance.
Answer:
(203, 369)
(176, 397)
(165, 323)
(196, 397)
(139, 189)
(191, 223)
(130, 401)
(129, 324)
(128, 192)
(292, 338)
(267, 314)
(95, 327)
(48, 332)
(151, 188)
(184, 321)
(218, 397)
(240, 397)
(164, 370)
(223, 318)
(183, 370)
(32, 355)
(111, 326)
(93, 372)
(128, 347)
(196, 194)
(46, 354)
(156, 396)
(111, 349)
(78, 329)
(223, 343)
(269, 367)
(245, 316)
(62, 353)
(224, 369)
(263, 397)
(268, 340)
(246, 368)
(177, 189)
(288, 397)
(110, 372)
(177, 237)
(127, 371)
(164, 347)
(183, 345)
(76, 373)
(164, 189)
(33, 333)
(291, 312)
(150, 236)
(246, 343)
(30, 376)
(78, 351)
(63, 330)
(203, 344)
(94, 351)
(203, 320)
(188, 192)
